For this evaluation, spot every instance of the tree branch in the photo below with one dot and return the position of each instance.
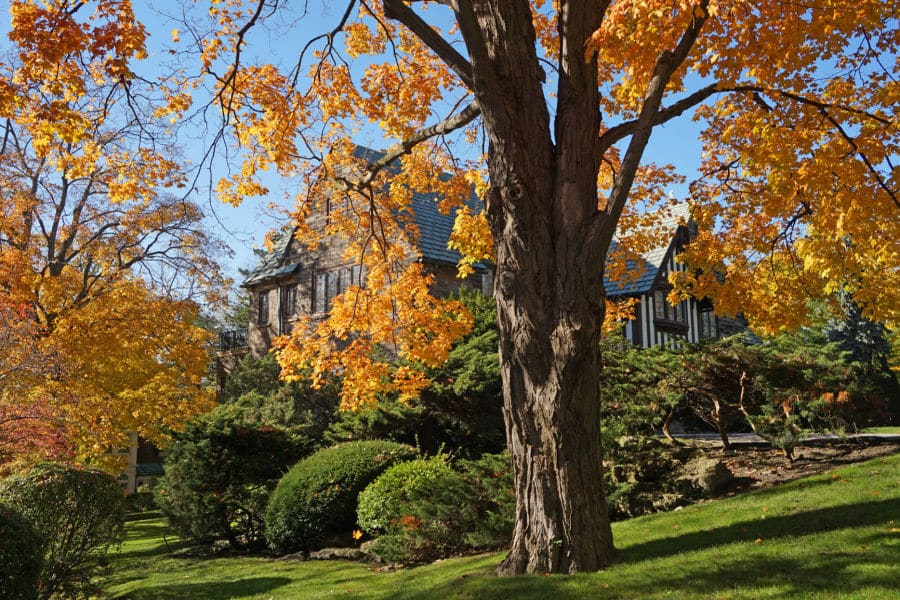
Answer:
(461, 119)
(619, 132)
(666, 65)
(398, 11)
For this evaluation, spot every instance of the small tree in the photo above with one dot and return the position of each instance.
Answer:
(798, 384)
(876, 395)
(219, 473)
(260, 397)
(79, 513)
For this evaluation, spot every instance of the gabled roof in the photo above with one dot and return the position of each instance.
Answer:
(271, 265)
(653, 260)
(434, 231)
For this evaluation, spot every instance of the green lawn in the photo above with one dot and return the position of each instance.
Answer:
(885, 429)
(831, 536)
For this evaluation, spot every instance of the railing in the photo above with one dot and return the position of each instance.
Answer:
(233, 339)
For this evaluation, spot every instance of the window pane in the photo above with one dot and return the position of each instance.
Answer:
(659, 304)
(320, 293)
(289, 300)
(263, 314)
(345, 280)
(333, 288)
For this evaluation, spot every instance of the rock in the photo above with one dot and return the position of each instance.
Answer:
(709, 474)
(299, 556)
(366, 548)
(337, 554)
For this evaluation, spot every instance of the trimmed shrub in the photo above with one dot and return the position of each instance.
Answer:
(140, 501)
(422, 509)
(21, 555)
(79, 513)
(219, 474)
(318, 495)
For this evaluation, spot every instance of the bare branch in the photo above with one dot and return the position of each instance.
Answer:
(397, 10)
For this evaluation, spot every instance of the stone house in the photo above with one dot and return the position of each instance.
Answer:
(292, 280)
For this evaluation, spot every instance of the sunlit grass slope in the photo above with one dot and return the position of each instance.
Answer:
(832, 536)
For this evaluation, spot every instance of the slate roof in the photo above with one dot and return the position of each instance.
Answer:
(653, 260)
(434, 231)
(434, 226)
(271, 266)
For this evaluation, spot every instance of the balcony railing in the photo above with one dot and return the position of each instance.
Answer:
(232, 339)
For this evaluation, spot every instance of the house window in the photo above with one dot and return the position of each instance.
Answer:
(659, 304)
(331, 284)
(289, 300)
(335, 204)
(708, 329)
(665, 311)
(262, 313)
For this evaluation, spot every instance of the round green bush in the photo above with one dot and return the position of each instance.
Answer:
(424, 510)
(81, 515)
(318, 495)
(21, 555)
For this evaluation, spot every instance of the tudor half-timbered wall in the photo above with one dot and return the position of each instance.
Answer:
(658, 323)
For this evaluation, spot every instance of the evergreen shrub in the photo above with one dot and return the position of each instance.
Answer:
(422, 509)
(426, 509)
(80, 515)
(219, 474)
(318, 496)
(494, 500)
(21, 556)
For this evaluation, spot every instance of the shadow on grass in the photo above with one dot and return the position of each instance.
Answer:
(208, 590)
(772, 577)
(794, 524)
(836, 571)
(142, 516)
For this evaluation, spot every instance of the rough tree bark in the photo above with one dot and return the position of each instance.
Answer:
(551, 243)
(549, 284)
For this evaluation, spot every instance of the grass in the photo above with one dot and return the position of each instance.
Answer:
(831, 536)
(886, 429)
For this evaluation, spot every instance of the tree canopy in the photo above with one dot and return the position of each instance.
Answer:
(102, 265)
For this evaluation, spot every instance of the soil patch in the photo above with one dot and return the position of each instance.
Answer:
(757, 466)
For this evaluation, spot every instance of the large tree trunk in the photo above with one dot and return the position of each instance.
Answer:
(550, 363)
(551, 242)
(542, 210)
